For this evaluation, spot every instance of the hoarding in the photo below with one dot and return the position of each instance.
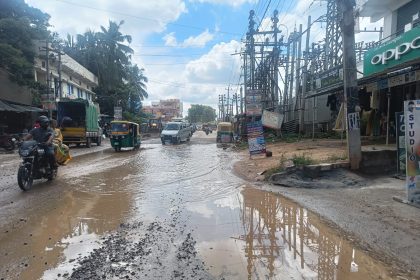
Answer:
(412, 144)
(256, 141)
(400, 135)
(253, 106)
(272, 119)
(404, 48)
(117, 113)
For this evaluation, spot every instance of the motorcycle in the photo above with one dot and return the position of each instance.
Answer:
(7, 142)
(34, 164)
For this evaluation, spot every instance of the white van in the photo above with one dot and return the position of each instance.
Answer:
(175, 132)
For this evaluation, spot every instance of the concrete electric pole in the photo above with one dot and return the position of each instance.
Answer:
(351, 99)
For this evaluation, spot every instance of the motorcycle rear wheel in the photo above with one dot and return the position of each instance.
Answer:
(25, 179)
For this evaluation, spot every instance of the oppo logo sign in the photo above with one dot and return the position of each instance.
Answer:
(396, 53)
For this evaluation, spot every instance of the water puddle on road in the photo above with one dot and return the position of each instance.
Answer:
(239, 232)
(260, 235)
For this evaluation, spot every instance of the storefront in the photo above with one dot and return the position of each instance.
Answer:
(17, 118)
(391, 75)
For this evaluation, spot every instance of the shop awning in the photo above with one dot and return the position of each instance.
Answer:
(10, 107)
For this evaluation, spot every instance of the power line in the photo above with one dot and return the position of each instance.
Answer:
(141, 18)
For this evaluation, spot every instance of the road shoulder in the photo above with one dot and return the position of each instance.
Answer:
(368, 216)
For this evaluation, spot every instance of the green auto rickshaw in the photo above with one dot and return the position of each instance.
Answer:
(224, 132)
(125, 134)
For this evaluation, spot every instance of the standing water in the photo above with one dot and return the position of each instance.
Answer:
(175, 211)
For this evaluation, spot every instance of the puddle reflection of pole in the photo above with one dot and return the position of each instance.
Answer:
(264, 214)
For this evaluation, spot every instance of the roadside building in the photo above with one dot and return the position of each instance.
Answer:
(388, 73)
(165, 109)
(16, 110)
(76, 80)
(391, 69)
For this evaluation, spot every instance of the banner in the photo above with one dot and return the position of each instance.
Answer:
(117, 113)
(412, 144)
(256, 141)
(253, 106)
(272, 119)
(400, 139)
(354, 121)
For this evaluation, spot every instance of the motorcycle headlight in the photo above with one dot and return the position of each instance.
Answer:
(40, 151)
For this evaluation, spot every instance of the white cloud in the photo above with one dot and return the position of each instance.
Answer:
(217, 66)
(141, 17)
(170, 40)
(234, 3)
(198, 41)
(201, 80)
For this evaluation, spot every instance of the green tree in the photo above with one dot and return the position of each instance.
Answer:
(201, 113)
(20, 25)
(107, 55)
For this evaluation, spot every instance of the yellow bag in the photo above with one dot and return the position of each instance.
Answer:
(61, 155)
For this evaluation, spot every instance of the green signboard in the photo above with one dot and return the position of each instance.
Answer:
(404, 48)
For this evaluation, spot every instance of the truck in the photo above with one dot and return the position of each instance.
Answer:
(78, 119)
(154, 125)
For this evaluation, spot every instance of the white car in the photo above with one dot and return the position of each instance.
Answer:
(175, 132)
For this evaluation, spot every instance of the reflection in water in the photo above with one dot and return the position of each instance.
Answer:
(285, 239)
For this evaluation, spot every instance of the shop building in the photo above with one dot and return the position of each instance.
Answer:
(391, 69)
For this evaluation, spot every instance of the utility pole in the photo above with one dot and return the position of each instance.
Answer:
(242, 101)
(236, 102)
(292, 71)
(60, 88)
(228, 103)
(305, 78)
(286, 79)
(47, 66)
(275, 87)
(299, 54)
(346, 8)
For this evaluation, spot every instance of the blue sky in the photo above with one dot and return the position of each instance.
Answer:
(185, 46)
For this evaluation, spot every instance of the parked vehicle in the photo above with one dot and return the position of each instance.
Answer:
(34, 164)
(175, 132)
(7, 141)
(154, 125)
(224, 132)
(207, 129)
(79, 122)
(125, 135)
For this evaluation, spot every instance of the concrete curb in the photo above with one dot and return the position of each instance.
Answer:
(312, 170)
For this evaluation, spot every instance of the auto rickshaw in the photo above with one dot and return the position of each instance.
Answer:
(224, 132)
(124, 134)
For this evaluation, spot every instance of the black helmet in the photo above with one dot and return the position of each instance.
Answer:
(43, 121)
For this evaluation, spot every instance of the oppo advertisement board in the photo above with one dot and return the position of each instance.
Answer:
(412, 145)
(403, 48)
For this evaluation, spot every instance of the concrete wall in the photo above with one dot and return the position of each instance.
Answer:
(11, 91)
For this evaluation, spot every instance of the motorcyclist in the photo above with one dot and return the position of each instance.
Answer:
(44, 135)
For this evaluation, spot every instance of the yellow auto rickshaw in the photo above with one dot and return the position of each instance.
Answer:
(224, 132)
(125, 134)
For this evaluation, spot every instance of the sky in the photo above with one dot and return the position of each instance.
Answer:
(188, 48)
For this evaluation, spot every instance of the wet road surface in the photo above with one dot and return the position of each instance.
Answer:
(167, 212)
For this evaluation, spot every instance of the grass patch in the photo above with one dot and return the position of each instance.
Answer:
(272, 171)
(299, 160)
(281, 167)
(334, 158)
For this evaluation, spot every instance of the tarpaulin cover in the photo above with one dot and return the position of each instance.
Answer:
(10, 107)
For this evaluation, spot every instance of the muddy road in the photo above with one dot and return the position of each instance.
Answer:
(166, 212)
